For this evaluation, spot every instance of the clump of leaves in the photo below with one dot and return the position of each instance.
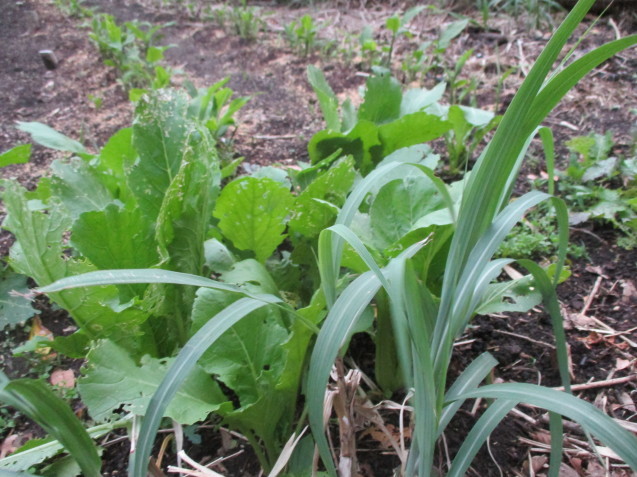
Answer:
(601, 187)
(430, 55)
(74, 8)
(397, 27)
(241, 20)
(537, 237)
(215, 108)
(131, 49)
(302, 35)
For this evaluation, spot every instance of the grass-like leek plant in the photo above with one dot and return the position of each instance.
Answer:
(35, 400)
(424, 325)
(425, 329)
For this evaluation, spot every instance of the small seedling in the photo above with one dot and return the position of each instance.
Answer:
(302, 35)
(96, 100)
(131, 49)
(397, 25)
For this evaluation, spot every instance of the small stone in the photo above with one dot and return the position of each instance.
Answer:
(49, 59)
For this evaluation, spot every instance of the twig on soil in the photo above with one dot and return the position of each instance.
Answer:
(523, 62)
(588, 232)
(600, 384)
(162, 449)
(493, 457)
(613, 332)
(587, 304)
(591, 296)
(522, 337)
(200, 470)
(612, 23)
(526, 417)
(575, 427)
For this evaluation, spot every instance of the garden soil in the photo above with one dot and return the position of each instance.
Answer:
(82, 99)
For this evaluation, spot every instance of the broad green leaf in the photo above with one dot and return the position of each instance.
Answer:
(369, 144)
(311, 215)
(252, 214)
(112, 380)
(78, 186)
(275, 173)
(34, 399)
(327, 99)
(383, 97)
(248, 358)
(218, 257)
(419, 154)
(252, 276)
(63, 467)
(162, 136)
(450, 32)
(182, 226)
(516, 295)
(477, 117)
(410, 14)
(14, 307)
(116, 237)
(392, 24)
(16, 155)
(96, 310)
(38, 253)
(185, 212)
(118, 154)
(398, 207)
(602, 168)
(154, 54)
(358, 143)
(115, 160)
(49, 137)
(75, 345)
(33, 452)
(409, 130)
(417, 99)
(303, 178)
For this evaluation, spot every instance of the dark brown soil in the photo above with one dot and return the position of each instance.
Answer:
(274, 128)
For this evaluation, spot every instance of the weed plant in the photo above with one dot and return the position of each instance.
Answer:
(74, 8)
(302, 36)
(241, 20)
(131, 49)
(600, 187)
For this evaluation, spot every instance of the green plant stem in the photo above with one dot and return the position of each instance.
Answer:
(388, 375)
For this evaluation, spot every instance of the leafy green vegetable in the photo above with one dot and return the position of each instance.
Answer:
(112, 380)
(252, 213)
(16, 155)
(398, 207)
(316, 207)
(49, 137)
(14, 307)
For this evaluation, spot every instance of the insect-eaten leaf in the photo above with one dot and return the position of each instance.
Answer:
(113, 381)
